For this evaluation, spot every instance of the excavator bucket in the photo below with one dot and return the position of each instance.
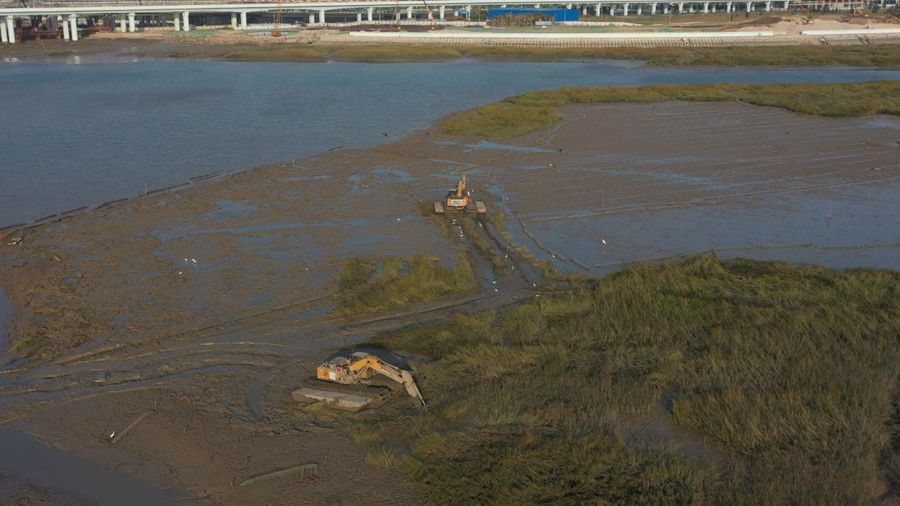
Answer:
(411, 388)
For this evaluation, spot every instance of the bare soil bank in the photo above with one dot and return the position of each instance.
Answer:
(311, 47)
(206, 306)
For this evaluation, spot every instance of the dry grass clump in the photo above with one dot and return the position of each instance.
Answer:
(524, 113)
(791, 373)
(366, 286)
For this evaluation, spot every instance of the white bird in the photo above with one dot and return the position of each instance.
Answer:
(180, 273)
(112, 434)
(603, 241)
(185, 259)
(194, 260)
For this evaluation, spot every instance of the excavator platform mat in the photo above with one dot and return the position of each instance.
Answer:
(349, 397)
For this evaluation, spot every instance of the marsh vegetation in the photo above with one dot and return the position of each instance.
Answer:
(530, 111)
(786, 375)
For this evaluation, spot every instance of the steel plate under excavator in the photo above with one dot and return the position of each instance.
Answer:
(348, 397)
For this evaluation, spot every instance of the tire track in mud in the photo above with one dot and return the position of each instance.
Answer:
(143, 365)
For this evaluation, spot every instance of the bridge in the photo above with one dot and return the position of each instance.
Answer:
(71, 14)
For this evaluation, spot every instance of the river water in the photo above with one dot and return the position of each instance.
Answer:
(72, 480)
(79, 134)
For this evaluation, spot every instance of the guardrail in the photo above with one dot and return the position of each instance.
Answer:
(551, 35)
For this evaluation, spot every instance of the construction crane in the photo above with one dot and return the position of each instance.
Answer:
(279, 10)
(460, 199)
(361, 366)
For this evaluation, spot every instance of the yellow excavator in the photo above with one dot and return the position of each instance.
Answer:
(460, 199)
(352, 375)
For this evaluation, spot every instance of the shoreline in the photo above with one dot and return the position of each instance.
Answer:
(220, 45)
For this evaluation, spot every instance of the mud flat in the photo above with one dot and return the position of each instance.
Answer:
(185, 318)
(657, 180)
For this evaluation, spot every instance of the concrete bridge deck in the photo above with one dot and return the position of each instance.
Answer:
(70, 15)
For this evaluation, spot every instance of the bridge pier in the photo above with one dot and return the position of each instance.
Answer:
(10, 25)
(409, 14)
(749, 6)
(185, 21)
(3, 38)
(234, 25)
(73, 27)
(121, 23)
(625, 10)
(321, 16)
(312, 18)
(243, 21)
(65, 27)
(441, 13)
(359, 17)
(371, 11)
(131, 22)
(177, 22)
(768, 6)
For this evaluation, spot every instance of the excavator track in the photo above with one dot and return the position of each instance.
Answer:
(356, 388)
(342, 396)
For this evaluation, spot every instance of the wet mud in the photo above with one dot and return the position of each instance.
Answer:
(169, 330)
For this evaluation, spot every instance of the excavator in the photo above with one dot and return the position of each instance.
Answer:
(460, 199)
(352, 375)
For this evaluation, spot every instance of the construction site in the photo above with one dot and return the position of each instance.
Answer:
(284, 254)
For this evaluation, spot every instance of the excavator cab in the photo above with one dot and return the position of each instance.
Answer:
(460, 199)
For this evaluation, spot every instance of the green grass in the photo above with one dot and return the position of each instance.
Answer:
(366, 286)
(801, 56)
(791, 374)
(524, 113)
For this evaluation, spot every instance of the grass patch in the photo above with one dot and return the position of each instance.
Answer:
(366, 286)
(524, 113)
(793, 372)
(26, 344)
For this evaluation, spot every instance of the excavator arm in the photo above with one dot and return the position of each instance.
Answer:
(461, 187)
(375, 364)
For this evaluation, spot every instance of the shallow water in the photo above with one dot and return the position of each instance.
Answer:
(5, 313)
(80, 134)
(29, 461)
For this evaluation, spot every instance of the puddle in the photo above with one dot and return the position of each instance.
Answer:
(365, 181)
(494, 146)
(229, 209)
(883, 122)
(321, 177)
(387, 176)
(31, 462)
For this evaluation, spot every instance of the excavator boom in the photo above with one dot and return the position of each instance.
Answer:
(394, 373)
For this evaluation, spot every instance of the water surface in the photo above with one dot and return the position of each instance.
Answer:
(80, 134)
(29, 461)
